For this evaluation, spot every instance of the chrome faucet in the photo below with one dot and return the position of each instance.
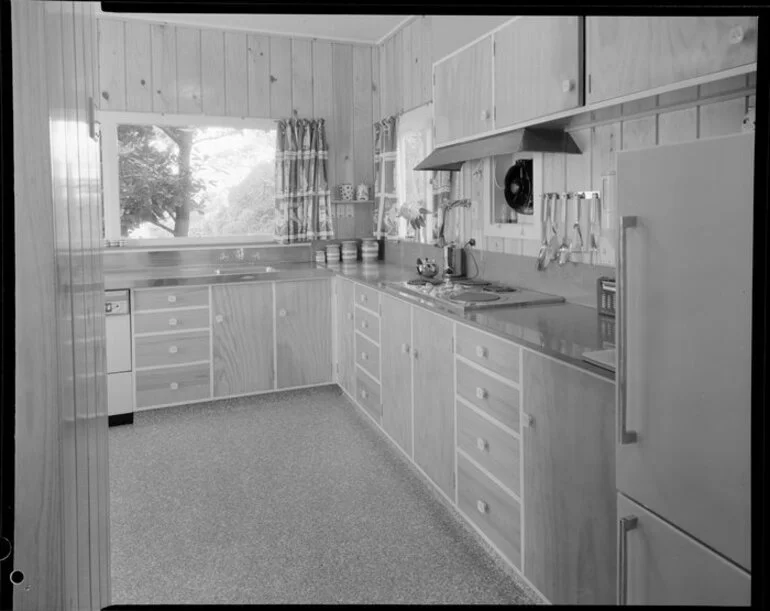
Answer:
(449, 248)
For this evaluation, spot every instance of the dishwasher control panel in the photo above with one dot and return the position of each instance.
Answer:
(116, 302)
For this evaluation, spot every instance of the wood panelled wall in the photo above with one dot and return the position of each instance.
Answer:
(157, 67)
(62, 486)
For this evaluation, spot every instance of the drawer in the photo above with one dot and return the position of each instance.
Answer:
(496, 513)
(368, 395)
(495, 354)
(173, 385)
(490, 446)
(494, 397)
(172, 349)
(368, 355)
(368, 298)
(173, 320)
(171, 297)
(368, 324)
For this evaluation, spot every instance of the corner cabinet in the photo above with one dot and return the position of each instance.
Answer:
(346, 359)
(626, 55)
(462, 94)
(538, 68)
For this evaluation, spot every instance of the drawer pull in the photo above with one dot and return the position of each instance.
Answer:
(349, 316)
(482, 444)
(527, 420)
(405, 348)
(364, 356)
(481, 393)
(363, 299)
(364, 324)
(173, 386)
(414, 353)
(172, 298)
(736, 35)
(172, 322)
(282, 313)
(173, 350)
(219, 318)
(626, 524)
(482, 506)
(364, 394)
(481, 352)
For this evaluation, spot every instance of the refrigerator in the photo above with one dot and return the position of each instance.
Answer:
(683, 372)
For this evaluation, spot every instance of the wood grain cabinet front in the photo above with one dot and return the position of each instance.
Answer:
(367, 298)
(170, 297)
(242, 335)
(625, 55)
(368, 324)
(492, 396)
(368, 395)
(156, 387)
(346, 359)
(368, 356)
(173, 320)
(497, 355)
(172, 349)
(303, 332)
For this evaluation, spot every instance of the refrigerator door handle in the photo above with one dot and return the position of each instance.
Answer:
(624, 525)
(624, 436)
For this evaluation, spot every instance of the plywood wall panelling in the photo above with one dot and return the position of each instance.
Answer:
(164, 86)
(213, 72)
(721, 118)
(642, 105)
(188, 54)
(724, 85)
(236, 74)
(398, 72)
(678, 125)
(138, 66)
(375, 84)
(280, 77)
(578, 167)
(679, 96)
(258, 67)
(426, 59)
(302, 77)
(407, 61)
(415, 63)
(639, 133)
(323, 94)
(112, 67)
(341, 138)
(363, 159)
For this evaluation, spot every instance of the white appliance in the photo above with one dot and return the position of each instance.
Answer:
(120, 377)
(684, 372)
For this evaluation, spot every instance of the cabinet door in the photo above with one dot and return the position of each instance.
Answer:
(664, 566)
(434, 435)
(569, 482)
(463, 93)
(396, 363)
(538, 64)
(243, 338)
(346, 362)
(303, 332)
(630, 54)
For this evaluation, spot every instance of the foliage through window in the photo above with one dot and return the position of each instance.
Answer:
(193, 181)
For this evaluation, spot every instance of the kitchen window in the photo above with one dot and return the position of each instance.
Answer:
(187, 179)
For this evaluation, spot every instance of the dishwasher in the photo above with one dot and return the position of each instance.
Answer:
(120, 375)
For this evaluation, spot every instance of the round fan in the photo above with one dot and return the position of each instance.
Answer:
(518, 188)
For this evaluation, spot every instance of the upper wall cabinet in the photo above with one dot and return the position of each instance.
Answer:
(463, 93)
(626, 55)
(538, 68)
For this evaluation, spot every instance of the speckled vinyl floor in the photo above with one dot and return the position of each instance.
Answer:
(282, 498)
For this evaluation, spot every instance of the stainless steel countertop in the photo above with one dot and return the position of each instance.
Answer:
(563, 330)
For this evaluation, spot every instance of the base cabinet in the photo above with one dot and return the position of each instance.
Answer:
(568, 419)
(346, 360)
(396, 363)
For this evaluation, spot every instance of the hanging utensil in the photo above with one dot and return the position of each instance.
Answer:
(563, 252)
(593, 240)
(541, 256)
(576, 244)
(553, 240)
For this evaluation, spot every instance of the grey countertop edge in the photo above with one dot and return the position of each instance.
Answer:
(371, 274)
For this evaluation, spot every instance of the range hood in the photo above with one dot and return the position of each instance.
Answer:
(527, 140)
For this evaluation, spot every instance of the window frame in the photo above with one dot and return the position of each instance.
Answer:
(108, 129)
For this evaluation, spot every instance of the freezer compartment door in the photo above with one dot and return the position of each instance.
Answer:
(664, 566)
(687, 293)
(118, 343)
(120, 393)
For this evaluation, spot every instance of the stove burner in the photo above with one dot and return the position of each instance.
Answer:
(498, 288)
(472, 297)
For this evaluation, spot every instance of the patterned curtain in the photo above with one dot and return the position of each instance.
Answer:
(386, 210)
(302, 197)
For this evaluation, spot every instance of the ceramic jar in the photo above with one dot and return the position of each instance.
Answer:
(362, 192)
(333, 253)
(346, 192)
(370, 249)
(320, 256)
(349, 250)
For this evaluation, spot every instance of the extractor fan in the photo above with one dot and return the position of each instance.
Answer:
(518, 186)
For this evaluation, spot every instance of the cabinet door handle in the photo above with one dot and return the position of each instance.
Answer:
(481, 393)
(567, 85)
(405, 348)
(349, 316)
(527, 420)
(173, 386)
(624, 525)
(363, 299)
(481, 352)
(172, 322)
(282, 313)
(173, 350)
(364, 394)
(736, 35)
(482, 444)
(172, 298)
(482, 506)
(414, 353)
(625, 437)
(364, 356)
(219, 318)
(484, 115)
(364, 324)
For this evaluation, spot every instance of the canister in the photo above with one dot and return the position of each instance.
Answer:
(333, 253)
(369, 249)
(349, 250)
(320, 256)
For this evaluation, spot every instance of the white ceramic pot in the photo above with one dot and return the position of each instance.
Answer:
(362, 192)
